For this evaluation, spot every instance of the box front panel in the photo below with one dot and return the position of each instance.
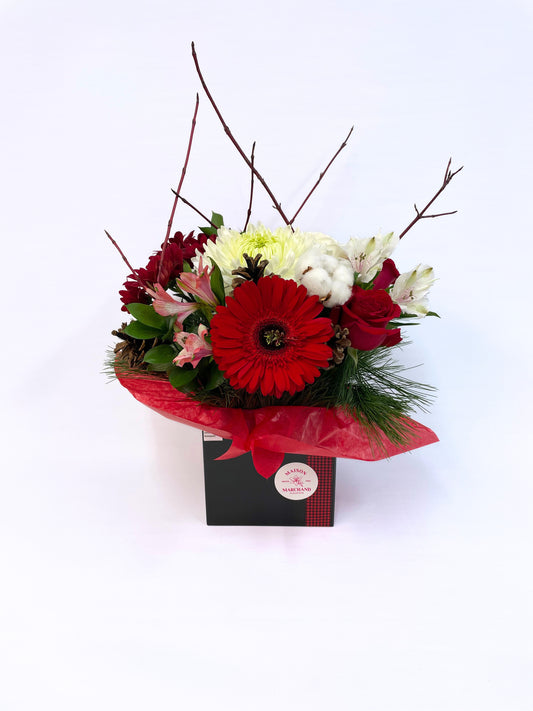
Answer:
(236, 495)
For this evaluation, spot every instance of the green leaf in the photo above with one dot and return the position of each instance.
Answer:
(215, 377)
(145, 314)
(403, 324)
(217, 219)
(432, 313)
(209, 231)
(187, 267)
(217, 283)
(160, 354)
(352, 352)
(180, 377)
(139, 330)
(157, 367)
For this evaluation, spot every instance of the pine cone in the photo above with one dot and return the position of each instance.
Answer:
(131, 351)
(253, 271)
(339, 343)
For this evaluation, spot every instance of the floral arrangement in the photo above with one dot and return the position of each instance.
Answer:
(280, 340)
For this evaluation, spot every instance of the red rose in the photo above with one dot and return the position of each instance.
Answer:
(366, 315)
(387, 275)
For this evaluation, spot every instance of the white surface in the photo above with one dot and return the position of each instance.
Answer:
(115, 594)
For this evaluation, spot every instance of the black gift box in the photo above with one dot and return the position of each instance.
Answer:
(237, 495)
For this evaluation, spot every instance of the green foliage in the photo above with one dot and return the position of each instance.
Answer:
(215, 377)
(139, 330)
(145, 314)
(409, 319)
(217, 220)
(217, 283)
(160, 354)
(180, 377)
(352, 353)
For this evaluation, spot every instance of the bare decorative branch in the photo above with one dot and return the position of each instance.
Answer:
(277, 205)
(132, 270)
(420, 214)
(177, 194)
(251, 189)
(189, 204)
(322, 174)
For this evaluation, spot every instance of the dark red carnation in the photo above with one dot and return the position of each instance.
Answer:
(179, 250)
(268, 337)
(366, 315)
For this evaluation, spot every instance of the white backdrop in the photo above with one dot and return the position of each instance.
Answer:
(115, 593)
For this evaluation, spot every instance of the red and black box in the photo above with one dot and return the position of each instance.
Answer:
(237, 495)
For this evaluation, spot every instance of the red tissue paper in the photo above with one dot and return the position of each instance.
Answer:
(270, 432)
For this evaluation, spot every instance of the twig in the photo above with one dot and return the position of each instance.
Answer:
(133, 271)
(251, 190)
(322, 174)
(189, 204)
(183, 170)
(420, 214)
(257, 174)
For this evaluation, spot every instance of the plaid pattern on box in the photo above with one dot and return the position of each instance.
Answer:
(320, 506)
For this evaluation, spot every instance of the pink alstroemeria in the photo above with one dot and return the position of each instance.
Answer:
(198, 284)
(165, 305)
(195, 347)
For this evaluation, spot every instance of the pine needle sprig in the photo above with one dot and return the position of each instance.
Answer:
(375, 391)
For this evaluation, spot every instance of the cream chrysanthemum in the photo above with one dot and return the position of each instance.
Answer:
(283, 248)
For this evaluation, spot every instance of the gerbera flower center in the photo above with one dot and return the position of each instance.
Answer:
(272, 337)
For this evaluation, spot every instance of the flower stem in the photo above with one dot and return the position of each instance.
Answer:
(189, 204)
(420, 214)
(251, 190)
(322, 174)
(183, 170)
(257, 174)
(133, 272)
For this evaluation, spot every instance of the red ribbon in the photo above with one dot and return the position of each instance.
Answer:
(270, 432)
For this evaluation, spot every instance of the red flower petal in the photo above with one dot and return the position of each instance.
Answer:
(267, 337)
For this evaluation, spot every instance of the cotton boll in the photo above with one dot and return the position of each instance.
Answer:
(317, 281)
(312, 259)
(342, 282)
(329, 263)
(304, 265)
(343, 273)
(340, 293)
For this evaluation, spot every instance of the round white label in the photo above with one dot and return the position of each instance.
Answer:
(296, 481)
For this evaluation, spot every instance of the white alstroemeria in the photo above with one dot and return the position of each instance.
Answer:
(367, 255)
(410, 290)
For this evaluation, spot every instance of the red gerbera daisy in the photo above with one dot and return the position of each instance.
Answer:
(267, 337)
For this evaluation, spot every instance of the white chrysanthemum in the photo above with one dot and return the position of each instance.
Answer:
(367, 255)
(283, 249)
(410, 290)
